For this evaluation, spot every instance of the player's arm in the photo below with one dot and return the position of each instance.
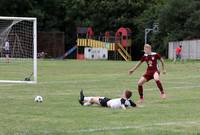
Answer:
(134, 68)
(163, 65)
(123, 107)
(132, 103)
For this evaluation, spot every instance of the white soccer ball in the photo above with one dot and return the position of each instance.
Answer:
(38, 99)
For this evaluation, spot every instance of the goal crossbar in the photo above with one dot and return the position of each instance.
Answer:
(18, 18)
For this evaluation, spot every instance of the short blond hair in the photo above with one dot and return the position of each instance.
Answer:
(147, 46)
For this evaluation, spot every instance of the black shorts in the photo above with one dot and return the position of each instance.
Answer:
(103, 101)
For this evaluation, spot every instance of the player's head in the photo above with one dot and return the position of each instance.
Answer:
(147, 48)
(127, 94)
(180, 46)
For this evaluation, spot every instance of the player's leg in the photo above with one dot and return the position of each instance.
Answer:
(140, 88)
(159, 84)
(86, 101)
(90, 101)
(180, 59)
(175, 58)
(7, 58)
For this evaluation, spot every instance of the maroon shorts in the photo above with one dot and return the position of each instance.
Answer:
(149, 75)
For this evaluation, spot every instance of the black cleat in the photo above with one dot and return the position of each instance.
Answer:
(81, 99)
(81, 102)
(81, 96)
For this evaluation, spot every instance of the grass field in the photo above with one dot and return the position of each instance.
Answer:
(59, 82)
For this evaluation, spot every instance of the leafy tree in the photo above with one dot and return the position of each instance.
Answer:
(178, 20)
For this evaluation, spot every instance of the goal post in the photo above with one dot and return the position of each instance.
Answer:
(18, 50)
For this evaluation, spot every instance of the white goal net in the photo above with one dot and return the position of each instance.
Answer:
(18, 50)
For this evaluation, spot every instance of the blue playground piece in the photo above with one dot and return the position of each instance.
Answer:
(69, 52)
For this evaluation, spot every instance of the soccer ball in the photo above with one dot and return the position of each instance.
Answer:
(38, 99)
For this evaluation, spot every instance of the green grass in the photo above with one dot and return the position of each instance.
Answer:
(21, 68)
(59, 82)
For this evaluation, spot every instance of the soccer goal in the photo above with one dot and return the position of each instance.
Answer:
(18, 50)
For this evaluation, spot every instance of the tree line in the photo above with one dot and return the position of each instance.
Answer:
(177, 19)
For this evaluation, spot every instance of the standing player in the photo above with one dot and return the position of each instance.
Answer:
(178, 54)
(122, 103)
(7, 50)
(152, 71)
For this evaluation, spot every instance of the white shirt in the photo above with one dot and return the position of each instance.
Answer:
(7, 46)
(116, 103)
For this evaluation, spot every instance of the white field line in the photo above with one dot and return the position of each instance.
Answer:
(173, 123)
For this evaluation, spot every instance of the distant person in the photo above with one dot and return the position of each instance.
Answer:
(178, 54)
(152, 72)
(41, 54)
(118, 103)
(7, 51)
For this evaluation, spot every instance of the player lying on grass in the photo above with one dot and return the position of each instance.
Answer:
(123, 102)
(152, 71)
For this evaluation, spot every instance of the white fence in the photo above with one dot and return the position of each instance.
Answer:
(190, 49)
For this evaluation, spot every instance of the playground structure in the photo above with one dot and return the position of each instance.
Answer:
(120, 43)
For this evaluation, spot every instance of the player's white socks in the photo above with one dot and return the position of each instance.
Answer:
(87, 104)
(87, 99)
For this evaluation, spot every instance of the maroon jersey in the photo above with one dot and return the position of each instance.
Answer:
(151, 61)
